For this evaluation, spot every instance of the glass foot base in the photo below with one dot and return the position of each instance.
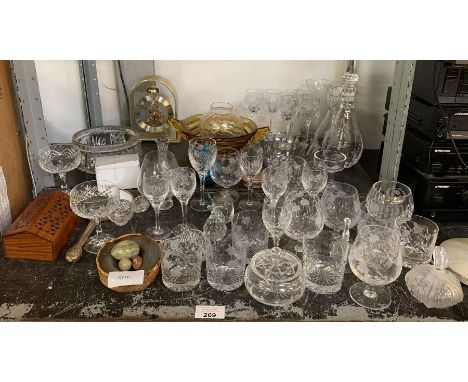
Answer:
(255, 205)
(179, 228)
(160, 234)
(370, 297)
(196, 205)
(96, 242)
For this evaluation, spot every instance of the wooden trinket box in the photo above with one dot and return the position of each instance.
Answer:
(42, 230)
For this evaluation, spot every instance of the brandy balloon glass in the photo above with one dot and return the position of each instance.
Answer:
(60, 158)
(376, 259)
(388, 200)
(91, 200)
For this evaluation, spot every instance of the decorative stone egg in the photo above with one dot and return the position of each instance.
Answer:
(137, 262)
(126, 249)
(125, 264)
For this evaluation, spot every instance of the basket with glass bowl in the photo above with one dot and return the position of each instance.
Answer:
(221, 124)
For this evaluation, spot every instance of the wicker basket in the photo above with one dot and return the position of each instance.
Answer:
(151, 261)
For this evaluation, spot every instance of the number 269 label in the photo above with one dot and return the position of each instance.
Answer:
(210, 312)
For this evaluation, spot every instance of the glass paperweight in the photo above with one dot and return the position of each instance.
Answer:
(434, 285)
(343, 134)
(275, 277)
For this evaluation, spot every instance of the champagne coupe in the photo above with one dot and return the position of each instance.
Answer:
(310, 110)
(92, 200)
(277, 218)
(202, 155)
(226, 170)
(183, 184)
(376, 259)
(272, 99)
(60, 158)
(156, 186)
(314, 177)
(254, 101)
(251, 161)
(332, 160)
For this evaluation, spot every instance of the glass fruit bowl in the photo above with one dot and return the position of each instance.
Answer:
(104, 141)
(275, 277)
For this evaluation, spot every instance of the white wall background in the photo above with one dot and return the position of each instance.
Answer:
(199, 83)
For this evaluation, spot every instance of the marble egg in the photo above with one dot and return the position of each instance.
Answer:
(137, 262)
(125, 249)
(125, 264)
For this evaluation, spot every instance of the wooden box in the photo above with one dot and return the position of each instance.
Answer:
(42, 230)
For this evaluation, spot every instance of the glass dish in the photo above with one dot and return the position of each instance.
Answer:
(104, 141)
(275, 277)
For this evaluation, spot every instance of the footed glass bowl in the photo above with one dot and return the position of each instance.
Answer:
(275, 277)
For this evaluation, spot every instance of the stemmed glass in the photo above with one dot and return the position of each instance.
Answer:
(226, 171)
(183, 184)
(314, 177)
(254, 101)
(319, 89)
(60, 158)
(276, 217)
(332, 160)
(288, 106)
(202, 155)
(306, 217)
(272, 99)
(156, 186)
(274, 182)
(251, 161)
(91, 200)
(310, 108)
(341, 206)
(376, 259)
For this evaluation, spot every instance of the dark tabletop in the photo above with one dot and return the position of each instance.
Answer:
(44, 291)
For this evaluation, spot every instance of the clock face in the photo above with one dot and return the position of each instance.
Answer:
(152, 110)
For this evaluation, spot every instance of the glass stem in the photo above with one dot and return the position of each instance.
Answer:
(271, 115)
(288, 127)
(63, 181)
(369, 291)
(307, 128)
(98, 227)
(276, 240)
(249, 192)
(156, 208)
(183, 205)
(202, 189)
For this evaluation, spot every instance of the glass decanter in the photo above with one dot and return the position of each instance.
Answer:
(343, 134)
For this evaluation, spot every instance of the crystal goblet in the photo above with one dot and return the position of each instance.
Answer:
(276, 217)
(183, 185)
(60, 158)
(310, 110)
(251, 161)
(376, 259)
(91, 200)
(272, 99)
(288, 106)
(314, 177)
(202, 154)
(226, 171)
(254, 101)
(274, 182)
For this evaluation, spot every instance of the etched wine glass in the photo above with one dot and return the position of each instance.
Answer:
(288, 106)
(341, 206)
(272, 99)
(310, 108)
(254, 101)
(183, 185)
(156, 186)
(275, 180)
(277, 218)
(314, 177)
(376, 259)
(306, 217)
(226, 170)
(202, 155)
(60, 158)
(92, 200)
(251, 161)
